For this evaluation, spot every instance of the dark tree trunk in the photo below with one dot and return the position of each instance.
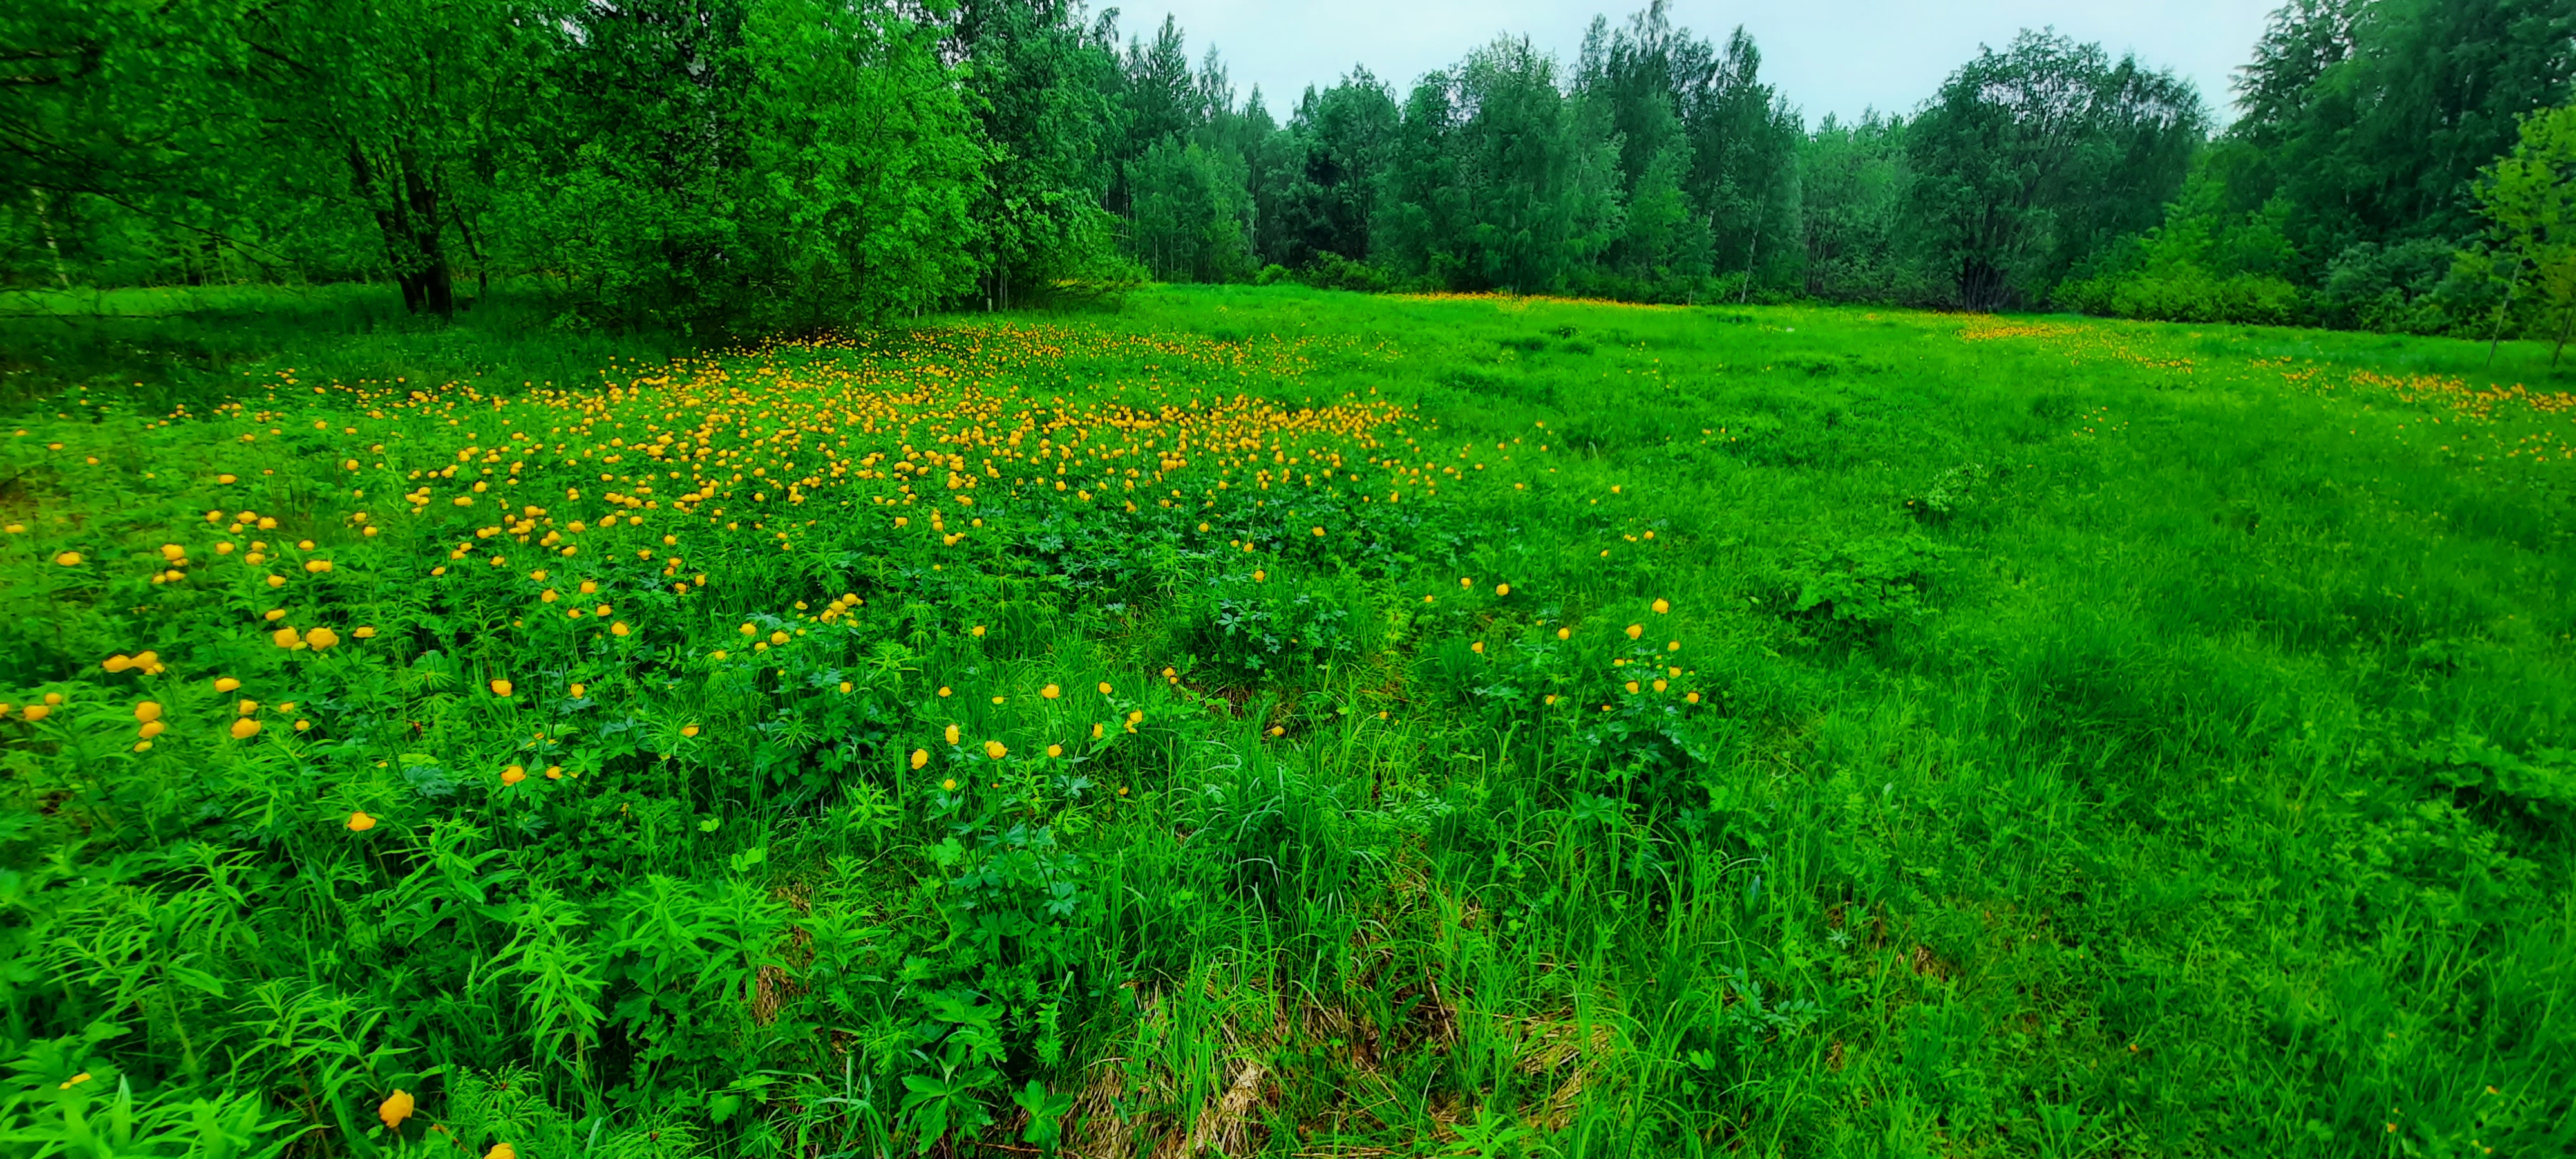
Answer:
(408, 218)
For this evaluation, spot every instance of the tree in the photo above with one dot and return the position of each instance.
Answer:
(2528, 202)
(2032, 158)
(1039, 85)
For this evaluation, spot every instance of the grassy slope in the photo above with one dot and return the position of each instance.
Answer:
(2120, 741)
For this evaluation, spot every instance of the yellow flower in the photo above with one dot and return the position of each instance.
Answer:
(247, 707)
(151, 728)
(554, 772)
(1319, 533)
(1055, 750)
(945, 691)
(277, 581)
(688, 730)
(1693, 698)
(1662, 606)
(1259, 576)
(500, 688)
(978, 631)
(1466, 581)
(365, 633)
(501, 1151)
(1502, 589)
(68, 559)
(846, 686)
(1636, 630)
(1551, 703)
(360, 823)
(117, 663)
(949, 785)
(995, 750)
(245, 728)
(1104, 688)
(618, 629)
(321, 637)
(920, 757)
(148, 711)
(1565, 633)
(1051, 692)
(285, 638)
(513, 775)
(1478, 647)
(37, 712)
(317, 566)
(952, 734)
(1675, 646)
(750, 630)
(1096, 730)
(578, 688)
(1632, 686)
(778, 637)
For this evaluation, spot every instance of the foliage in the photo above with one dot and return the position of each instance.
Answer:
(1688, 723)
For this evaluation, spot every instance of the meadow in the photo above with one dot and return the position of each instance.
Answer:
(1266, 721)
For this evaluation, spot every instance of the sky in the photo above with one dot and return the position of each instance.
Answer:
(1825, 56)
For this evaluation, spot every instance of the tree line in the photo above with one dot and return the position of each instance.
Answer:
(742, 164)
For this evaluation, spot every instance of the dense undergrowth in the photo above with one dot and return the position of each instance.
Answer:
(1264, 721)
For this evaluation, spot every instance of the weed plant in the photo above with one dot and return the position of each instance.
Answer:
(1271, 721)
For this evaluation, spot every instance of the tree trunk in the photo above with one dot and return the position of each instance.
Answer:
(407, 218)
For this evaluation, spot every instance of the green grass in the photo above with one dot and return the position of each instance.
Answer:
(2111, 739)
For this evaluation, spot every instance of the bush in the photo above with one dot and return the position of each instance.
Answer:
(2186, 294)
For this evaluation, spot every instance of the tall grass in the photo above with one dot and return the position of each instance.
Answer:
(2109, 739)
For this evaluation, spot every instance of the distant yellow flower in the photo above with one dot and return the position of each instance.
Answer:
(1662, 606)
(1096, 730)
(513, 775)
(501, 1151)
(1565, 633)
(37, 712)
(365, 633)
(1055, 750)
(949, 785)
(247, 707)
(1632, 686)
(1693, 698)
(245, 728)
(1258, 575)
(360, 823)
(151, 728)
(778, 637)
(750, 630)
(618, 629)
(1104, 688)
(1051, 692)
(68, 559)
(1319, 533)
(846, 686)
(920, 757)
(944, 690)
(1675, 646)
(579, 688)
(688, 730)
(148, 711)
(952, 734)
(1478, 647)
(117, 663)
(995, 750)
(1636, 630)
(500, 688)
(321, 637)
(1502, 589)
(285, 638)
(978, 631)
(317, 566)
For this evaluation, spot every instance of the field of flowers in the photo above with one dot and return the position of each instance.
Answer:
(1275, 722)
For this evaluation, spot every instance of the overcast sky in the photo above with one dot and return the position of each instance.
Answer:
(1826, 56)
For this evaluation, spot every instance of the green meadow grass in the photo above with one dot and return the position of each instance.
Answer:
(2111, 739)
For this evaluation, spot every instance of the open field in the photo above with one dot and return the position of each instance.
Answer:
(1266, 721)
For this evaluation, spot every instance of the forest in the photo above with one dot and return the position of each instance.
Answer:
(741, 164)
